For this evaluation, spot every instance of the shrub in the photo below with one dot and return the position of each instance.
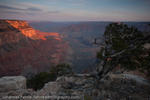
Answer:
(61, 69)
(38, 81)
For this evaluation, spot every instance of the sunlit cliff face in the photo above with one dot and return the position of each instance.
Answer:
(23, 27)
(25, 50)
(45, 34)
(28, 31)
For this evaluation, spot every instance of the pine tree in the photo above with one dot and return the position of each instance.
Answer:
(123, 46)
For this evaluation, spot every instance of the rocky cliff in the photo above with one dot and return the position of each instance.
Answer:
(24, 50)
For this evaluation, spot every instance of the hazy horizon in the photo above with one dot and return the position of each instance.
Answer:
(74, 21)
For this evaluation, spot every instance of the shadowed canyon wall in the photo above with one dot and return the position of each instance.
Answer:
(24, 50)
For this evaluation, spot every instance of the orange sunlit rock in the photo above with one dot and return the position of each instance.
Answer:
(23, 49)
(28, 31)
(45, 34)
(23, 27)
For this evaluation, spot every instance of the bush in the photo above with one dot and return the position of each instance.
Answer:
(61, 69)
(38, 81)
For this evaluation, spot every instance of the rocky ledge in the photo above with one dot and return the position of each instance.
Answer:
(79, 87)
(12, 83)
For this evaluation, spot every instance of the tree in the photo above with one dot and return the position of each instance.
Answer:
(123, 46)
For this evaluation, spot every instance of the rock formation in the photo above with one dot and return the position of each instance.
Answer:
(83, 87)
(24, 49)
(12, 83)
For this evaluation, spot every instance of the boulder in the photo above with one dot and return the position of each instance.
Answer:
(147, 45)
(12, 83)
(49, 88)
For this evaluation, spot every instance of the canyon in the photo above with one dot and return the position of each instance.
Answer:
(28, 47)
(80, 37)
(26, 51)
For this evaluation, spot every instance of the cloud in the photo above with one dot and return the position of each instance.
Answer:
(33, 9)
(8, 7)
(4, 7)
(30, 10)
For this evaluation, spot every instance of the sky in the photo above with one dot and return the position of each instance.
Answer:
(75, 10)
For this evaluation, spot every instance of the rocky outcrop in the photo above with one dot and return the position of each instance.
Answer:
(24, 28)
(147, 45)
(9, 34)
(87, 87)
(12, 83)
(26, 51)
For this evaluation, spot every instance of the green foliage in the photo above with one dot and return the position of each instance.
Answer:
(38, 81)
(61, 69)
(99, 54)
(87, 97)
(120, 37)
(145, 64)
